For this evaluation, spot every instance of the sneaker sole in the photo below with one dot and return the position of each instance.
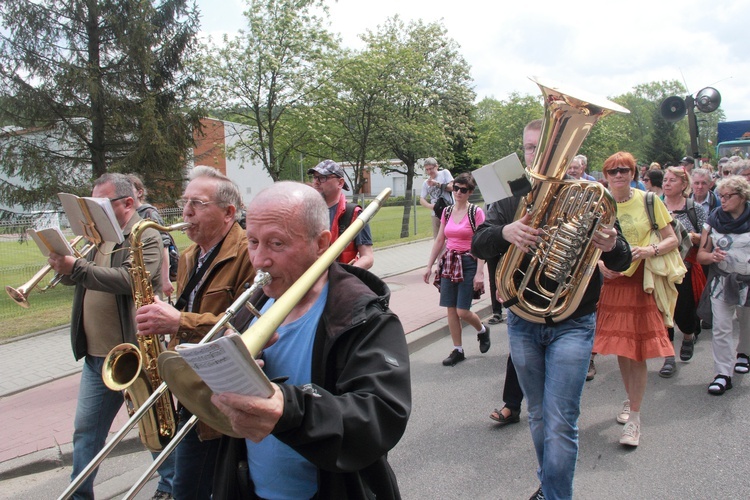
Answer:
(621, 420)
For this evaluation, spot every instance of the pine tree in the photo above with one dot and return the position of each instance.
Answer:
(91, 86)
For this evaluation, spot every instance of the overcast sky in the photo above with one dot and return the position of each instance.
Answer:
(601, 46)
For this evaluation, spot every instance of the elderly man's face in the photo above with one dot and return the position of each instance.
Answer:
(209, 220)
(575, 169)
(279, 243)
(701, 184)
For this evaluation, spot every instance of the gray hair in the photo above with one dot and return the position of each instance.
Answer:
(741, 167)
(121, 182)
(581, 158)
(701, 171)
(735, 183)
(227, 192)
(430, 161)
(310, 208)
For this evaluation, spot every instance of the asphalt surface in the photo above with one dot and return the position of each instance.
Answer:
(693, 445)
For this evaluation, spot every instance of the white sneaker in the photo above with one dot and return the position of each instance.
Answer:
(624, 415)
(631, 434)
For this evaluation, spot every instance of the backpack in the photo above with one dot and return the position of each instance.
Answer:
(683, 235)
(472, 215)
(346, 218)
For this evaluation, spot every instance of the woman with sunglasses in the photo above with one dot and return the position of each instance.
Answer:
(725, 246)
(460, 274)
(628, 321)
(677, 186)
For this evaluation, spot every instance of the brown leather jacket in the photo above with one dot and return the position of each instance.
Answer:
(224, 281)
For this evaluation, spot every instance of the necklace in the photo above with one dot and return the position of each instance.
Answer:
(630, 195)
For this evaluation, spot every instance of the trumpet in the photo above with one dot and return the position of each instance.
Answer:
(261, 280)
(20, 295)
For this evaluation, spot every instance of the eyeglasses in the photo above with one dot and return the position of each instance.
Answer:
(529, 148)
(320, 179)
(727, 172)
(464, 190)
(112, 200)
(193, 204)
(727, 196)
(618, 170)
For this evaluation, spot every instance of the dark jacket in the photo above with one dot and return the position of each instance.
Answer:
(114, 279)
(357, 406)
(489, 242)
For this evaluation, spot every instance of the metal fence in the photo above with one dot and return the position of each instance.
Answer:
(20, 258)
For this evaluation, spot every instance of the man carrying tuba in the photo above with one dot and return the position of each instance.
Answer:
(103, 292)
(551, 359)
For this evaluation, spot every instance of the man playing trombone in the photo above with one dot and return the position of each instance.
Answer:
(211, 274)
(346, 395)
(103, 292)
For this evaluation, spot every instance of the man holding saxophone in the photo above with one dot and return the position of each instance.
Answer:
(211, 274)
(345, 397)
(103, 292)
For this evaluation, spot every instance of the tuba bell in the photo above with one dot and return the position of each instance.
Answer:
(568, 212)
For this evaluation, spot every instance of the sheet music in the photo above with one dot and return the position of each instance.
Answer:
(51, 239)
(102, 216)
(225, 365)
(501, 179)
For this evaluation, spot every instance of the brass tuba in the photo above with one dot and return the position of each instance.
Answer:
(133, 369)
(569, 212)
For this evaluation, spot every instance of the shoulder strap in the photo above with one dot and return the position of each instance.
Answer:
(346, 218)
(650, 210)
(447, 212)
(692, 215)
(473, 217)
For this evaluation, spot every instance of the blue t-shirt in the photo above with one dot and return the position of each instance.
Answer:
(276, 470)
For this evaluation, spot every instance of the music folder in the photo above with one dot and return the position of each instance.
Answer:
(92, 218)
(502, 178)
(49, 240)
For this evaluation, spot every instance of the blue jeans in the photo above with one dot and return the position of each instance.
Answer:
(194, 464)
(551, 362)
(96, 410)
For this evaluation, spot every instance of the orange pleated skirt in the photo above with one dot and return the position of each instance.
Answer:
(628, 322)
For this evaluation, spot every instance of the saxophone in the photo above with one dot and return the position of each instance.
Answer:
(132, 369)
(568, 212)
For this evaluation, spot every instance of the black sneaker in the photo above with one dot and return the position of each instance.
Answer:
(455, 357)
(538, 495)
(484, 340)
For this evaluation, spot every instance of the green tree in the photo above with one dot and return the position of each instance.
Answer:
(90, 87)
(499, 125)
(428, 96)
(267, 78)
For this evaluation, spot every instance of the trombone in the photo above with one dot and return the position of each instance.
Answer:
(20, 295)
(261, 279)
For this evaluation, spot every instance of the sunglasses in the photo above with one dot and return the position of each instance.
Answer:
(618, 170)
(462, 189)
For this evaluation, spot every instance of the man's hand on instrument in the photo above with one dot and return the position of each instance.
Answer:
(520, 234)
(159, 318)
(251, 417)
(62, 264)
(605, 239)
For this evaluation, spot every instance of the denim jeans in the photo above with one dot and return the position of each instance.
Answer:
(551, 362)
(194, 464)
(96, 410)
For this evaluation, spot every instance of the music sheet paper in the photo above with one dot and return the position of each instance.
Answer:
(51, 239)
(501, 179)
(225, 365)
(102, 217)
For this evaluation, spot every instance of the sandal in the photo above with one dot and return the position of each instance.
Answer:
(669, 368)
(514, 417)
(743, 363)
(687, 349)
(720, 385)
(496, 319)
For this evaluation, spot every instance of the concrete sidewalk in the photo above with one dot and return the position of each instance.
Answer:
(39, 378)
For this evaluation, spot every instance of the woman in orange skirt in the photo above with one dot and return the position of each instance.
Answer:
(628, 320)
